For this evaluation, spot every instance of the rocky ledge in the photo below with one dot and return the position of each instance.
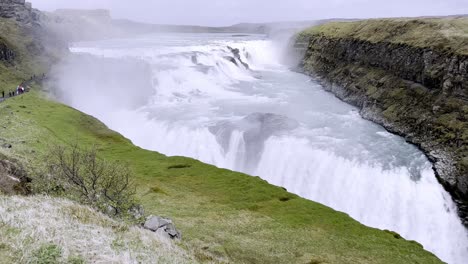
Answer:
(415, 88)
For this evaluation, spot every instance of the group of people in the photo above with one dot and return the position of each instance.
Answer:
(19, 90)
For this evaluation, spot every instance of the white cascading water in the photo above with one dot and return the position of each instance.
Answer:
(193, 97)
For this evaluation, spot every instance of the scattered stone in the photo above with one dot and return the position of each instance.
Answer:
(7, 146)
(152, 223)
(163, 227)
(172, 231)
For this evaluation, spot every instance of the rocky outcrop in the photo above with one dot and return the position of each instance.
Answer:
(20, 10)
(420, 93)
(6, 54)
(13, 178)
(236, 58)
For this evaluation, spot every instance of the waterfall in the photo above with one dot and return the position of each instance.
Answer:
(229, 101)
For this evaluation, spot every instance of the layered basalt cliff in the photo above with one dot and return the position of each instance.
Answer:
(411, 76)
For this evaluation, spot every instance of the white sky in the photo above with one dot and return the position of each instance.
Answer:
(227, 12)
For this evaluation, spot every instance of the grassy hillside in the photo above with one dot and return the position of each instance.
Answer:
(75, 234)
(442, 33)
(223, 215)
(30, 56)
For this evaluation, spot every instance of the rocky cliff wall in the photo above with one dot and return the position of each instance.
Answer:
(20, 10)
(418, 93)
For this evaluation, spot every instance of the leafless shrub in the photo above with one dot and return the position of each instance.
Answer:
(80, 173)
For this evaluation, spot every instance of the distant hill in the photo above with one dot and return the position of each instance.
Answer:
(75, 25)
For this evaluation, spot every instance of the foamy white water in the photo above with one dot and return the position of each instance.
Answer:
(189, 98)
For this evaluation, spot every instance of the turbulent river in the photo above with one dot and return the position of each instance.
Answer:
(232, 102)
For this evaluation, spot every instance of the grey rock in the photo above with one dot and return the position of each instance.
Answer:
(162, 233)
(153, 223)
(19, 10)
(162, 226)
(172, 231)
(164, 222)
(7, 146)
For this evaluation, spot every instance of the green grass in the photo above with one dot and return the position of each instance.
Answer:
(32, 58)
(223, 215)
(440, 33)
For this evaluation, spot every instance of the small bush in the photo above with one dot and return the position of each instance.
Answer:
(47, 254)
(75, 260)
(394, 234)
(179, 166)
(81, 175)
(156, 189)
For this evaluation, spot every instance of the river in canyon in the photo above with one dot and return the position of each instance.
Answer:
(232, 101)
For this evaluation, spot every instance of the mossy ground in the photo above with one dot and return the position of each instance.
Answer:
(224, 216)
(449, 34)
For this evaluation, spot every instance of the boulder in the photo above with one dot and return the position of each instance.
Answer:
(162, 226)
(152, 223)
(13, 178)
(172, 231)
(7, 146)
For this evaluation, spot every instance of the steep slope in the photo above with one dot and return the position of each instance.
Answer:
(75, 234)
(410, 75)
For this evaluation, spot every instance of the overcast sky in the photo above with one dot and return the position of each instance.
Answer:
(226, 12)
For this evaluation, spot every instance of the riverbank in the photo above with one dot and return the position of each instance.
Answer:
(409, 75)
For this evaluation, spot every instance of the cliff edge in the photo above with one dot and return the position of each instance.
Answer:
(409, 75)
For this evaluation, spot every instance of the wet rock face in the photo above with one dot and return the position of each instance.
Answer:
(418, 93)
